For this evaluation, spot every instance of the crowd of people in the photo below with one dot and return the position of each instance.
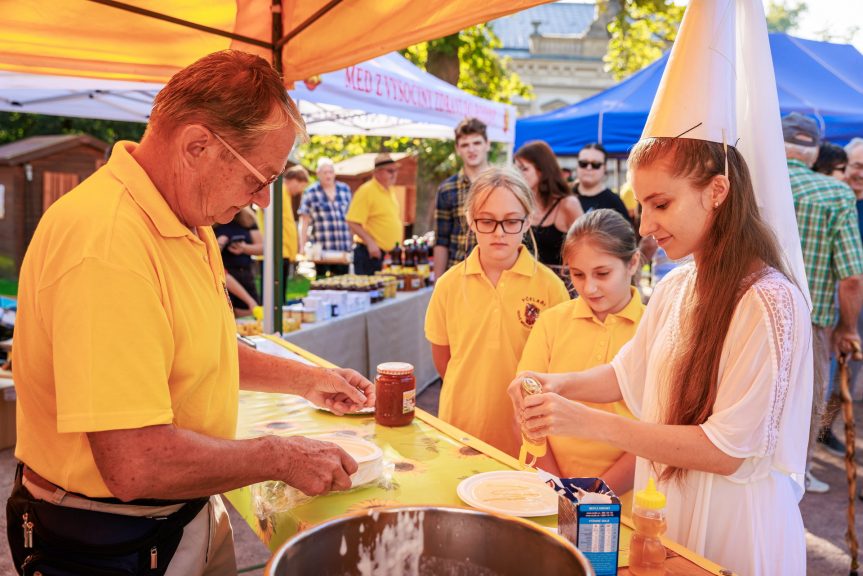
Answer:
(708, 388)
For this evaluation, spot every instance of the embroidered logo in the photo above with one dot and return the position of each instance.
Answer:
(530, 314)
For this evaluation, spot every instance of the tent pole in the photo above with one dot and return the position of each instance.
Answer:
(274, 259)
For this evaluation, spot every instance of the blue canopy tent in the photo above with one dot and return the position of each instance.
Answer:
(821, 79)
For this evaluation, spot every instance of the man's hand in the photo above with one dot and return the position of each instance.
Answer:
(843, 338)
(341, 390)
(374, 249)
(316, 467)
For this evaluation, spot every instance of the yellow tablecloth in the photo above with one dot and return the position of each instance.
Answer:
(428, 459)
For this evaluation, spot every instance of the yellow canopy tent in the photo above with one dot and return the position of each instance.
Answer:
(150, 40)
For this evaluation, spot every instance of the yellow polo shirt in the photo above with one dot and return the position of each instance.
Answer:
(376, 209)
(569, 338)
(627, 195)
(485, 328)
(123, 322)
(289, 227)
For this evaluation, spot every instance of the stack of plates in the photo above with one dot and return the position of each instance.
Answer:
(368, 456)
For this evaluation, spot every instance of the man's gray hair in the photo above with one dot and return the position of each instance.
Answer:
(854, 143)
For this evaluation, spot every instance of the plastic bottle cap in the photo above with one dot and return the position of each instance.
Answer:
(650, 498)
(395, 368)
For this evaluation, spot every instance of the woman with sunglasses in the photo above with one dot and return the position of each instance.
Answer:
(590, 188)
(556, 206)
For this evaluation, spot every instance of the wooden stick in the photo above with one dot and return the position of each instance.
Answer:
(850, 465)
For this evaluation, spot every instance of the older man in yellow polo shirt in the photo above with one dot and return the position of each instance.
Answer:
(126, 360)
(375, 217)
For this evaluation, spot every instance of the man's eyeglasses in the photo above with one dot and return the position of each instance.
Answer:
(264, 182)
(509, 226)
(594, 165)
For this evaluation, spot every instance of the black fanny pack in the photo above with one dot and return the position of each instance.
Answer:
(59, 541)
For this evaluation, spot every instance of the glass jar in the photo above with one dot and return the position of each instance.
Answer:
(395, 392)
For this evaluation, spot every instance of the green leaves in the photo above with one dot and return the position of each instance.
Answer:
(784, 18)
(16, 125)
(640, 32)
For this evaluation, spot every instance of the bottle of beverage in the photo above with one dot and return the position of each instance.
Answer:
(410, 254)
(396, 256)
(422, 259)
(646, 552)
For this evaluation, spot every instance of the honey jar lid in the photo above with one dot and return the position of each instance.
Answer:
(395, 368)
(650, 498)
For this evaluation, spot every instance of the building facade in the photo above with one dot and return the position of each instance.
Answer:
(558, 49)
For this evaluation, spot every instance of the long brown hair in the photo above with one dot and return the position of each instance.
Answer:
(736, 241)
(551, 183)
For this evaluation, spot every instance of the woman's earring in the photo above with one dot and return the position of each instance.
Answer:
(715, 205)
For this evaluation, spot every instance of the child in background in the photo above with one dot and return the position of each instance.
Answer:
(601, 254)
(483, 309)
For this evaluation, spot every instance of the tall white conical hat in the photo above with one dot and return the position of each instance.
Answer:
(719, 86)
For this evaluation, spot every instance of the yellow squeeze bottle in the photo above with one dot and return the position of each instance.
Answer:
(646, 552)
(529, 387)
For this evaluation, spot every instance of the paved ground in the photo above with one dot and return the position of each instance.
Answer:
(823, 514)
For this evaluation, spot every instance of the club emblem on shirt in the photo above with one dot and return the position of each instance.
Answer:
(530, 314)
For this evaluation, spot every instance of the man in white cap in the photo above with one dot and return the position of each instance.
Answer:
(827, 220)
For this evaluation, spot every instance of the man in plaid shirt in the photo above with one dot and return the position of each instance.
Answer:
(453, 241)
(832, 253)
(324, 207)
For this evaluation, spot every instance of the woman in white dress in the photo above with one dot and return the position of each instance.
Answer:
(719, 373)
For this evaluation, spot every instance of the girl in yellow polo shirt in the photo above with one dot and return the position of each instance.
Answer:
(601, 254)
(483, 309)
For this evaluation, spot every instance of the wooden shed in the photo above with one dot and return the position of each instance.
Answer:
(35, 172)
(357, 170)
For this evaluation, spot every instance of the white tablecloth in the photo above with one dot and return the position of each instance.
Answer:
(391, 331)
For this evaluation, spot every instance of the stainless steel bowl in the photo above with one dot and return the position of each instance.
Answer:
(456, 542)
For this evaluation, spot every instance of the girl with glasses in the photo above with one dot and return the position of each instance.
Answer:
(556, 206)
(601, 255)
(483, 309)
(590, 188)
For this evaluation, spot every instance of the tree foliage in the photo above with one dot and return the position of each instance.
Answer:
(469, 61)
(641, 30)
(16, 125)
(782, 17)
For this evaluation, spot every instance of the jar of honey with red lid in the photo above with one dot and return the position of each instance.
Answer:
(395, 394)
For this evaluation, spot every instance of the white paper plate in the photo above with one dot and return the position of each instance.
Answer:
(361, 412)
(509, 492)
(369, 457)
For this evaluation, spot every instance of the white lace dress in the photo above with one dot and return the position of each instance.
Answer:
(749, 522)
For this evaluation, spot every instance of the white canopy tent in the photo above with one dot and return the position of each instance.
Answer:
(386, 96)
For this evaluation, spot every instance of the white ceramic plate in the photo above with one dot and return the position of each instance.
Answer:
(509, 492)
(369, 457)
